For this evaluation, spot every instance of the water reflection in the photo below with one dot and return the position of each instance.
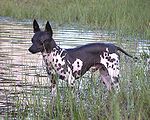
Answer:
(21, 72)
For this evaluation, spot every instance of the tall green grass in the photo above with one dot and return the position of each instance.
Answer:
(127, 16)
(131, 103)
(91, 102)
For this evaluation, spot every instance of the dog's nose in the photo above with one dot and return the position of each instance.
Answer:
(30, 50)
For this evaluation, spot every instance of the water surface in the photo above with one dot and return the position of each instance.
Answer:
(21, 71)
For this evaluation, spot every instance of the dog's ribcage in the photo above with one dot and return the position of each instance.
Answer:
(56, 62)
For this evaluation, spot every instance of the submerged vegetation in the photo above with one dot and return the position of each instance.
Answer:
(127, 16)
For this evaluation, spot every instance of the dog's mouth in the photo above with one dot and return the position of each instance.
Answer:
(33, 50)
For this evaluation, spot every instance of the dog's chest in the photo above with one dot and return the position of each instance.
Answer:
(63, 67)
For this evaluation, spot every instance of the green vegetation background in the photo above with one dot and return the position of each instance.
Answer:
(127, 16)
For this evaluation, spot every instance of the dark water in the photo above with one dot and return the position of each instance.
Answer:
(20, 71)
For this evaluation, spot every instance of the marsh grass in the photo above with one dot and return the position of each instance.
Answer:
(129, 17)
(90, 101)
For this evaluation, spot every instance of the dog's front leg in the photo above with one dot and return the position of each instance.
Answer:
(52, 78)
(53, 85)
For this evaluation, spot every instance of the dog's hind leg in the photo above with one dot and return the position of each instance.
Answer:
(115, 83)
(110, 80)
(114, 74)
(105, 77)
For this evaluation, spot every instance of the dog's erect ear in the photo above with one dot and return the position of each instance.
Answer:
(48, 28)
(35, 26)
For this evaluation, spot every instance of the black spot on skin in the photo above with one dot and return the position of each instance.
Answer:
(58, 52)
(58, 69)
(59, 64)
(53, 85)
(112, 66)
(103, 82)
(63, 54)
(44, 56)
(78, 62)
(62, 77)
(53, 60)
(62, 71)
(107, 64)
(112, 60)
(55, 65)
(46, 62)
(72, 83)
(78, 65)
(102, 55)
(56, 60)
(106, 54)
(115, 63)
(108, 58)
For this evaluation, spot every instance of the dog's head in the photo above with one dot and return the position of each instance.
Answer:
(42, 41)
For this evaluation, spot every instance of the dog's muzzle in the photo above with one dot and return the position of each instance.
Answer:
(34, 50)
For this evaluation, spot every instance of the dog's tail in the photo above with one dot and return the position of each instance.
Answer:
(120, 49)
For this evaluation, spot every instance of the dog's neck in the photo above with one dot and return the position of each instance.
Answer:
(50, 46)
(51, 50)
(56, 52)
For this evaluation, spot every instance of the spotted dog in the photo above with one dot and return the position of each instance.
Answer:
(71, 64)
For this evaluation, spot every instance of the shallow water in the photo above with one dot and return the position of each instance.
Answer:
(21, 71)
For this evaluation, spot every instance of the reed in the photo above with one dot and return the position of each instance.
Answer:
(92, 101)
